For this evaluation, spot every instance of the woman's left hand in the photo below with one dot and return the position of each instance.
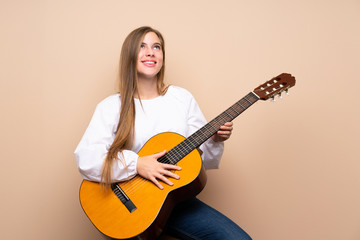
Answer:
(224, 132)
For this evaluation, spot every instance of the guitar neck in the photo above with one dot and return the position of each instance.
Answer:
(200, 136)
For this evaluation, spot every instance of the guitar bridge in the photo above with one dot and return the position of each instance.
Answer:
(123, 197)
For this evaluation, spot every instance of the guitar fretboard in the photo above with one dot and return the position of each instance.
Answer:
(200, 136)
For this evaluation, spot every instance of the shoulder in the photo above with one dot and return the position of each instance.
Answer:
(115, 98)
(110, 102)
(179, 93)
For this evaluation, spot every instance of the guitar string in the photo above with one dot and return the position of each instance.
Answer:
(172, 156)
(139, 183)
(179, 152)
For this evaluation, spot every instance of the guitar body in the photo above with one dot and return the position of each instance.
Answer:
(153, 206)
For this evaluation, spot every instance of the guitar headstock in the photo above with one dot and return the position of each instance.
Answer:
(275, 86)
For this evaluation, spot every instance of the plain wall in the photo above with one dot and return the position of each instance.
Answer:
(291, 169)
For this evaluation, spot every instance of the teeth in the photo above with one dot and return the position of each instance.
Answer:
(149, 62)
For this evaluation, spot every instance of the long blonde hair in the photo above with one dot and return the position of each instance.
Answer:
(128, 88)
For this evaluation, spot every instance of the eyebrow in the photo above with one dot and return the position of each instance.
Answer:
(156, 43)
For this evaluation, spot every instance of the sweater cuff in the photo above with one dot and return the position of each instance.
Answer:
(125, 168)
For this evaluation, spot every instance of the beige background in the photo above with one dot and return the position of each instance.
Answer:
(291, 168)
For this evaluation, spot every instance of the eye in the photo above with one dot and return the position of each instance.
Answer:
(142, 45)
(157, 47)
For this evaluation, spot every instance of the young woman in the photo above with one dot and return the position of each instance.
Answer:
(144, 107)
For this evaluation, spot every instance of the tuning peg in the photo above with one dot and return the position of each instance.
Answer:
(280, 95)
(273, 99)
(287, 92)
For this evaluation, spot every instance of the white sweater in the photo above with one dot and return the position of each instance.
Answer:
(176, 111)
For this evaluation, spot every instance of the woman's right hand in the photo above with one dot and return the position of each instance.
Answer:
(148, 167)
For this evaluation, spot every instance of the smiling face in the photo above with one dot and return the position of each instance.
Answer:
(150, 57)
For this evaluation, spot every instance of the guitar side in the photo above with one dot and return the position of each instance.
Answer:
(153, 206)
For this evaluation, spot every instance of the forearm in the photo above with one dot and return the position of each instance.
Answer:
(90, 163)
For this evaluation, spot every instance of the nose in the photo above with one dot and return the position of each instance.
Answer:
(149, 52)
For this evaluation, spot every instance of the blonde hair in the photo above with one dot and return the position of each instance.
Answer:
(128, 88)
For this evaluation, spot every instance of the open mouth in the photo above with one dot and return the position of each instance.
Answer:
(149, 62)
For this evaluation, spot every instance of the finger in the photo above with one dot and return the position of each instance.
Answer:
(172, 167)
(224, 127)
(224, 133)
(170, 174)
(153, 179)
(223, 137)
(229, 124)
(159, 154)
(165, 179)
(173, 175)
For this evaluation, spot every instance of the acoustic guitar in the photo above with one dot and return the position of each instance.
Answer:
(137, 209)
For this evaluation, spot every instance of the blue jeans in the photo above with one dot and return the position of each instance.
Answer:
(194, 220)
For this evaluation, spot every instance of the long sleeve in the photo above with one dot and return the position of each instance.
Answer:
(211, 151)
(176, 111)
(96, 141)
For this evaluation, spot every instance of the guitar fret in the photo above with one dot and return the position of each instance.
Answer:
(208, 130)
(184, 146)
(236, 113)
(222, 119)
(166, 159)
(178, 154)
(204, 133)
(195, 137)
(241, 106)
(191, 145)
(203, 136)
(214, 124)
(231, 117)
(232, 108)
(227, 116)
(172, 161)
(188, 148)
(247, 100)
(172, 157)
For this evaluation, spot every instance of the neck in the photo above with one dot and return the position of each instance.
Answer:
(147, 88)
